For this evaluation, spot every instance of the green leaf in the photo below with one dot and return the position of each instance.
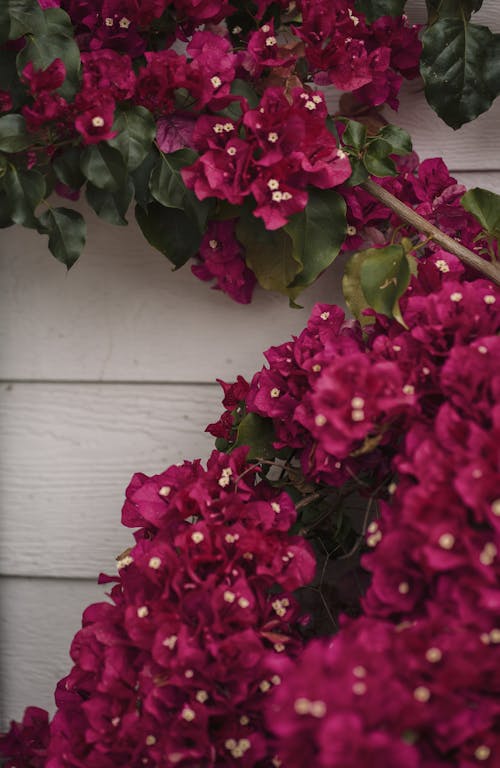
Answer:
(136, 133)
(269, 254)
(13, 134)
(398, 139)
(111, 206)
(460, 65)
(452, 9)
(25, 190)
(354, 135)
(20, 17)
(258, 434)
(384, 277)
(67, 168)
(103, 166)
(168, 188)
(373, 9)
(317, 234)
(43, 48)
(170, 231)
(243, 88)
(141, 177)
(59, 22)
(359, 174)
(5, 217)
(166, 184)
(377, 159)
(67, 233)
(352, 290)
(9, 79)
(485, 207)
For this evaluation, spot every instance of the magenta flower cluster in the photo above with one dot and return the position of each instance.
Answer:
(285, 147)
(177, 668)
(413, 410)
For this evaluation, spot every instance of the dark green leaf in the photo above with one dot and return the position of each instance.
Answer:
(26, 190)
(243, 88)
(352, 290)
(168, 188)
(166, 182)
(317, 234)
(67, 233)
(42, 49)
(485, 207)
(258, 434)
(13, 134)
(269, 254)
(136, 132)
(20, 17)
(354, 134)
(373, 9)
(111, 206)
(377, 159)
(103, 166)
(141, 177)
(58, 22)
(5, 217)
(67, 168)
(385, 276)
(460, 65)
(170, 231)
(452, 9)
(9, 79)
(359, 173)
(398, 139)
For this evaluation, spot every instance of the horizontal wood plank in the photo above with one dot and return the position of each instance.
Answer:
(67, 453)
(38, 620)
(120, 314)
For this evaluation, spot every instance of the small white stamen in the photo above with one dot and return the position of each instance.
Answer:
(457, 296)
(446, 541)
(433, 655)
(143, 611)
(97, 121)
(170, 642)
(442, 265)
(155, 563)
(421, 694)
(197, 537)
(216, 81)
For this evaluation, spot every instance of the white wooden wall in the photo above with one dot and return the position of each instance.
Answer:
(110, 369)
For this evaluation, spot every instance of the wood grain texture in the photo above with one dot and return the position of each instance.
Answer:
(67, 453)
(120, 314)
(39, 617)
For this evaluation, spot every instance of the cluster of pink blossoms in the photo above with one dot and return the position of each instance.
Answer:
(177, 669)
(415, 681)
(285, 146)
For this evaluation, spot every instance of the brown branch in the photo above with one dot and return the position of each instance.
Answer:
(422, 225)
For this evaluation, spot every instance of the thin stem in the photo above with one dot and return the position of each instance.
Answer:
(422, 225)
